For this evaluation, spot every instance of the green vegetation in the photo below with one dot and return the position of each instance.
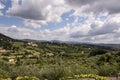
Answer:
(29, 60)
(93, 76)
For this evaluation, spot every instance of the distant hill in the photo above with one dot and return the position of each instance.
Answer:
(112, 46)
(4, 39)
(2, 36)
(33, 57)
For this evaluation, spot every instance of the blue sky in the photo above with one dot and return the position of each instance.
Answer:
(95, 21)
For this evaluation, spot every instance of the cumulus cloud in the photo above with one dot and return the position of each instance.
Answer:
(34, 23)
(79, 31)
(110, 28)
(90, 21)
(38, 10)
(105, 29)
(96, 6)
(58, 34)
(102, 27)
(64, 34)
(25, 33)
(30, 11)
(16, 32)
(80, 2)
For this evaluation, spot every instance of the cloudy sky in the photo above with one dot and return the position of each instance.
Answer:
(95, 21)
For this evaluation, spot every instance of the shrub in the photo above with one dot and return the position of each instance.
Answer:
(97, 52)
(94, 76)
(107, 70)
(24, 71)
(52, 73)
(26, 78)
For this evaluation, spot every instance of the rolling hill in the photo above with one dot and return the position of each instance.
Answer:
(54, 60)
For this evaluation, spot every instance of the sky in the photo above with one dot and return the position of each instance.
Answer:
(94, 21)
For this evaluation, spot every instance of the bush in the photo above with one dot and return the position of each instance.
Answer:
(52, 73)
(97, 52)
(24, 70)
(26, 78)
(107, 70)
(93, 76)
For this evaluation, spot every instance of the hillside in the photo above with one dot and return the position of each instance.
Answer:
(54, 60)
(2, 36)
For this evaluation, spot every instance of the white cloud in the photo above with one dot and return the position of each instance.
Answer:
(64, 34)
(58, 34)
(79, 31)
(34, 23)
(95, 20)
(96, 6)
(25, 33)
(107, 28)
(16, 32)
(38, 10)
(97, 28)
(114, 18)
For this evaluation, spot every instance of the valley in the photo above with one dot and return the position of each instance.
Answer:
(54, 60)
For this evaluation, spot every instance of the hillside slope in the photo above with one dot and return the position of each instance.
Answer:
(53, 60)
